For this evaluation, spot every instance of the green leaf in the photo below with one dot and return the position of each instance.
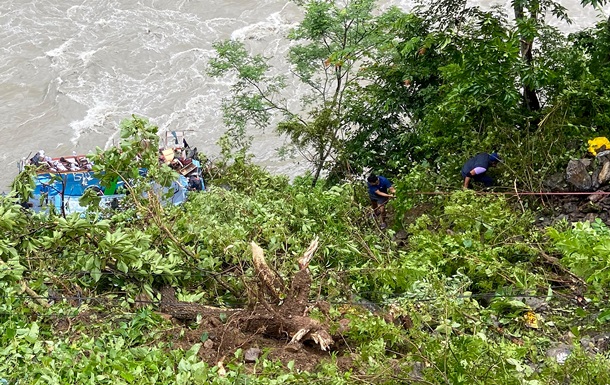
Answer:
(604, 316)
(122, 266)
(96, 274)
(223, 317)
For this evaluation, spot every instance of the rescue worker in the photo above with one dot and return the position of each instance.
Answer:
(195, 183)
(380, 192)
(476, 168)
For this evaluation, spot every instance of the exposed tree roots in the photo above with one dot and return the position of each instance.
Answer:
(270, 315)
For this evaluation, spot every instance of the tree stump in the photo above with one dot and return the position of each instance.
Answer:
(287, 319)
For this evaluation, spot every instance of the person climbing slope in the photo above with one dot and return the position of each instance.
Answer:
(476, 168)
(380, 192)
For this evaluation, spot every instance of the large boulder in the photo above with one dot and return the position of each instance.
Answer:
(577, 174)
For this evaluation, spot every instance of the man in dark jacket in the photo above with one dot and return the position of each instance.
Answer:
(380, 190)
(476, 168)
(195, 183)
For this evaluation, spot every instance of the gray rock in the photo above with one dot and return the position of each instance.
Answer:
(590, 207)
(252, 354)
(577, 174)
(556, 182)
(536, 304)
(603, 156)
(293, 347)
(560, 352)
(417, 371)
(570, 207)
(591, 217)
(597, 196)
(604, 174)
(599, 343)
(594, 178)
(603, 342)
(588, 344)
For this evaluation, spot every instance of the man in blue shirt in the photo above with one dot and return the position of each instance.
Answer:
(476, 168)
(380, 191)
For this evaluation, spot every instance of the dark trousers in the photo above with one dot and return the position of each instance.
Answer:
(481, 178)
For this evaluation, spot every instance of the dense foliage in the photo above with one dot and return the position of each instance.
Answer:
(473, 293)
(435, 85)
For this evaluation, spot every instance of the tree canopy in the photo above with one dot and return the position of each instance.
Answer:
(386, 89)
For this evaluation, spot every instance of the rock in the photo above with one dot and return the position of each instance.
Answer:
(293, 347)
(368, 305)
(588, 344)
(591, 217)
(603, 342)
(208, 344)
(401, 235)
(252, 354)
(596, 344)
(556, 182)
(536, 304)
(417, 371)
(597, 196)
(577, 174)
(604, 174)
(603, 156)
(590, 207)
(570, 207)
(560, 353)
(594, 178)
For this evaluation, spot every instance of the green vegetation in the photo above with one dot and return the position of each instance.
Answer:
(389, 88)
(452, 304)
(462, 289)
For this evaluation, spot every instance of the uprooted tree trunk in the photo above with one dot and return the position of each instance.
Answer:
(269, 315)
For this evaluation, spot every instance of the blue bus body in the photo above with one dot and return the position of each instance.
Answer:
(57, 190)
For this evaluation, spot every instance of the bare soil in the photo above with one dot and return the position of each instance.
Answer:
(222, 341)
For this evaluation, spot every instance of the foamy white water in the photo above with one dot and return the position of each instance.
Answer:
(71, 70)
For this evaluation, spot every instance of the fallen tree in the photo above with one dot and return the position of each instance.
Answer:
(277, 311)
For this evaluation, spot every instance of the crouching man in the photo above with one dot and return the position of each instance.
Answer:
(380, 192)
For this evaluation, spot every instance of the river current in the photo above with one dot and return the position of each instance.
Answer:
(71, 70)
